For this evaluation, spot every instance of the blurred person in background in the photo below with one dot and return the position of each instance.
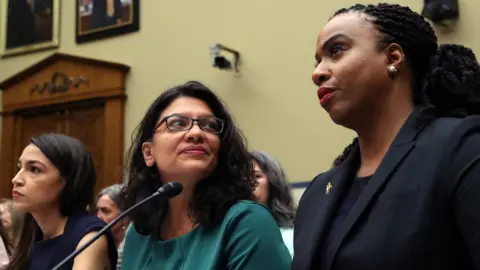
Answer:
(273, 190)
(12, 221)
(4, 247)
(110, 202)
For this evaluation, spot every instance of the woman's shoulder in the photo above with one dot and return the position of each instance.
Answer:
(246, 207)
(443, 129)
(134, 239)
(254, 238)
(82, 223)
(247, 213)
(449, 135)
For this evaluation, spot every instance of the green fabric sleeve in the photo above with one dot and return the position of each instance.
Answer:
(256, 242)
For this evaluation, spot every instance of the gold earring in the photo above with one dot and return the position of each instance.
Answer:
(392, 70)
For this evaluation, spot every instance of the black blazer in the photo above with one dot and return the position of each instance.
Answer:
(420, 210)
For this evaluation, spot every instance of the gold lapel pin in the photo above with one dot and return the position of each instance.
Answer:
(328, 188)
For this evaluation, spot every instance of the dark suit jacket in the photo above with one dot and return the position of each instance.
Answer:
(420, 210)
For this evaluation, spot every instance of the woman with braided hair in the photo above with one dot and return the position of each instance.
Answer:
(406, 193)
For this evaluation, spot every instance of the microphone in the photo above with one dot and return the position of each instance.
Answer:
(168, 190)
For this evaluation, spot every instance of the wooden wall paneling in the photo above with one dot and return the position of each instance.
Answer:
(37, 124)
(114, 136)
(78, 96)
(86, 79)
(7, 164)
(88, 125)
(17, 148)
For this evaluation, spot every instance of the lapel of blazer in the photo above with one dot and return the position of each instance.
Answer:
(401, 146)
(327, 197)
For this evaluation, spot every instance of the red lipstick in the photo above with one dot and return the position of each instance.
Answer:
(324, 94)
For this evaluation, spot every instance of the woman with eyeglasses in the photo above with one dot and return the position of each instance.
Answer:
(188, 136)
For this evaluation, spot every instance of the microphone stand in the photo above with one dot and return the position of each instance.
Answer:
(102, 231)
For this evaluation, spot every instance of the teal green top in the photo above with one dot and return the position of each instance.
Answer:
(247, 238)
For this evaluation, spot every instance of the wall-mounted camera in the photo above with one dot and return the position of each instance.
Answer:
(220, 61)
(442, 12)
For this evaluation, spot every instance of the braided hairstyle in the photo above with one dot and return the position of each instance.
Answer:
(341, 158)
(446, 78)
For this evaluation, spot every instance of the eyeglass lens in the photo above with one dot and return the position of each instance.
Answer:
(207, 124)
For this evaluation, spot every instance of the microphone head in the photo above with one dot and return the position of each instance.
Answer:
(171, 189)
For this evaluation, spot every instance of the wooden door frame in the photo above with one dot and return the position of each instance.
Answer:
(113, 138)
(106, 84)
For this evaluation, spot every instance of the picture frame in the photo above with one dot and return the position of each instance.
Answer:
(28, 26)
(100, 19)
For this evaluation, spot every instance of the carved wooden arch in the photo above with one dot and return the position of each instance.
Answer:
(68, 87)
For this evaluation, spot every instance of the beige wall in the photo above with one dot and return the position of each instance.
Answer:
(273, 100)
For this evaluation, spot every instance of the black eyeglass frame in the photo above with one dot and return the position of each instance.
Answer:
(192, 122)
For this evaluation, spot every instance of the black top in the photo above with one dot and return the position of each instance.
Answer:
(351, 196)
(349, 199)
(46, 254)
(418, 211)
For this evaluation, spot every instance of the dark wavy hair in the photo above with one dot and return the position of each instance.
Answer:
(229, 182)
(280, 200)
(446, 78)
(71, 157)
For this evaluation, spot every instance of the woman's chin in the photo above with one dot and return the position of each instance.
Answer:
(196, 164)
(336, 116)
(339, 115)
(21, 206)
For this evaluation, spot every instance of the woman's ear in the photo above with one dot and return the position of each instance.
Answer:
(147, 154)
(395, 55)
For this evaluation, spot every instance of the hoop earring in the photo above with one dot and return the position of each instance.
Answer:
(392, 70)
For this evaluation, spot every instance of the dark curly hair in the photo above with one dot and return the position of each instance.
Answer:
(280, 199)
(229, 183)
(446, 78)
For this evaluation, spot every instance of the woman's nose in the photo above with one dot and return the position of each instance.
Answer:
(321, 74)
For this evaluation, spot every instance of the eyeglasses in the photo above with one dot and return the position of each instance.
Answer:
(177, 122)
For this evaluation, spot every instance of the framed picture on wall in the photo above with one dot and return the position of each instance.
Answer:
(28, 25)
(99, 19)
